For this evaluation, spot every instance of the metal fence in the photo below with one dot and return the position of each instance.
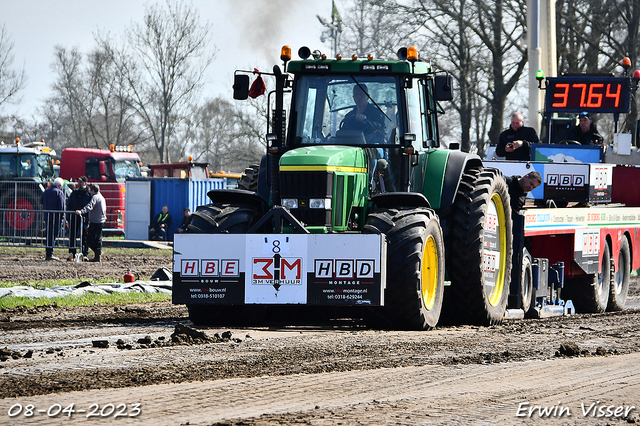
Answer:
(29, 227)
(25, 195)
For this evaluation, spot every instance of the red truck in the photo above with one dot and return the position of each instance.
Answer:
(107, 167)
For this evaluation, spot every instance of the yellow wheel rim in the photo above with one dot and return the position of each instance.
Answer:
(495, 295)
(429, 282)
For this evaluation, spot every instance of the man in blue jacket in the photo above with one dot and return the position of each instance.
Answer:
(53, 201)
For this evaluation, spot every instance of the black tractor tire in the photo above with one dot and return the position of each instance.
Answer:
(479, 250)
(620, 285)
(527, 292)
(249, 179)
(224, 218)
(415, 267)
(590, 293)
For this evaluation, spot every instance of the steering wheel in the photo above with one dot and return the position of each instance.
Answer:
(569, 142)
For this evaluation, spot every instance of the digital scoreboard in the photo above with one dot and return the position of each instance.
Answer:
(595, 94)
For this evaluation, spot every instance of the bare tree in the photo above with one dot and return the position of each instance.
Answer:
(448, 39)
(11, 80)
(113, 120)
(225, 136)
(165, 69)
(69, 98)
(374, 27)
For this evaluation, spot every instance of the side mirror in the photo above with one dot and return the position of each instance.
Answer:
(240, 87)
(103, 168)
(444, 89)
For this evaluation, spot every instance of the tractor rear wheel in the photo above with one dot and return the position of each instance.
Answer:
(415, 266)
(224, 218)
(26, 222)
(590, 293)
(620, 284)
(479, 250)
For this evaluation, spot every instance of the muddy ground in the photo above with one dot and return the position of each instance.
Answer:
(151, 353)
(18, 265)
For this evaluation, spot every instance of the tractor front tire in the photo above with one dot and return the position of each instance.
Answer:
(415, 266)
(224, 218)
(479, 249)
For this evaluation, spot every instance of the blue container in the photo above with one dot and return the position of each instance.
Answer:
(179, 194)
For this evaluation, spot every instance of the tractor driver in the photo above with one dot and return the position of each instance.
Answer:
(365, 117)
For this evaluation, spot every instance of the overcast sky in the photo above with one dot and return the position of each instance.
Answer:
(246, 33)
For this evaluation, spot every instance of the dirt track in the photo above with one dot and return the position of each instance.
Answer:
(337, 373)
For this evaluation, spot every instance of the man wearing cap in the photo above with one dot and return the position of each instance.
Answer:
(53, 201)
(79, 198)
(585, 132)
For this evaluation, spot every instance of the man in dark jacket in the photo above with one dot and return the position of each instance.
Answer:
(585, 132)
(520, 186)
(78, 225)
(161, 225)
(515, 142)
(53, 201)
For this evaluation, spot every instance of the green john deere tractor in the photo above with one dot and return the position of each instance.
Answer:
(355, 204)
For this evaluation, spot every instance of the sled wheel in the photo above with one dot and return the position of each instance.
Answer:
(415, 266)
(526, 282)
(620, 284)
(480, 249)
(590, 293)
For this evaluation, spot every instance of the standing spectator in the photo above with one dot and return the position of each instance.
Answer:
(515, 142)
(78, 225)
(97, 213)
(53, 200)
(186, 220)
(161, 225)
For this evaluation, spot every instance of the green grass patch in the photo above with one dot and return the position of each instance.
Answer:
(90, 299)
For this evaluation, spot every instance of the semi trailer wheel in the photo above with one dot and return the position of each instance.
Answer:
(526, 282)
(479, 249)
(415, 266)
(620, 285)
(219, 218)
(590, 293)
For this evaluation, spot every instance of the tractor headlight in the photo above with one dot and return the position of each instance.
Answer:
(320, 203)
(290, 203)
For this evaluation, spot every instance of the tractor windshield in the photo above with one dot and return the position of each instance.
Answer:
(345, 109)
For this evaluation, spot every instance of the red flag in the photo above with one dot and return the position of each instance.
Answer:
(257, 88)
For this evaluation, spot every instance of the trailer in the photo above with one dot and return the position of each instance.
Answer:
(577, 255)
